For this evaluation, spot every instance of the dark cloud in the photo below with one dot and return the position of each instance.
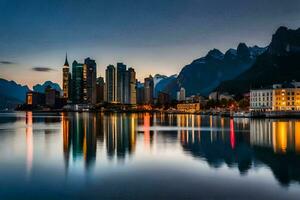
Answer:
(5, 62)
(42, 69)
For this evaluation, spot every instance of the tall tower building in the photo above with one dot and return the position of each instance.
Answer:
(120, 82)
(66, 80)
(110, 79)
(126, 88)
(148, 90)
(77, 82)
(89, 81)
(100, 89)
(132, 86)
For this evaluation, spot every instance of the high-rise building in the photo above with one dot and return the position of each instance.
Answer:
(140, 93)
(77, 82)
(89, 81)
(110, 76)
(126, 88)
(66, 80)
(51, 96)
(181, 94)
(120, 82)
(148, 90)
(100, 89)
(132, 86)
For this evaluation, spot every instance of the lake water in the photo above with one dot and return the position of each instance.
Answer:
(147, 156)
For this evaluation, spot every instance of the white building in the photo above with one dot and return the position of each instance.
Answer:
(181, 94)
(261, 99)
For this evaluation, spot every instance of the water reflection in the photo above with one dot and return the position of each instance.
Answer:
(82, 132)
(274, 143)
(29, 143)
(241, 144)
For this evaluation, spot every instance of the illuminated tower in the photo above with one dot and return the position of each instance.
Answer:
(132, 86)
(66, 79)
(77, 83)
(148, 90)
(89, 81)
(110, 83)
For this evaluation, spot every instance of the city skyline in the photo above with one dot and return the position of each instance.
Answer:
(152, 37)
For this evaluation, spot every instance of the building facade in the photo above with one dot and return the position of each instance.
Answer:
(66, 80)
(279, 97)
(89, 81)
(51, 97)
(120, 82)
(100, 85)
(286, 99)
(110, 83)
(261, 100)
(77, 83)
(188, 107)
(148, 90)
(132, 86)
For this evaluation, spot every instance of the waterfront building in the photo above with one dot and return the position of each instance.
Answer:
(110, 83)
(89, 81)
(126, 88)
(140, 93)
(51, 97)
(100, 85)
(77, 82)
(132, 86)
(66, 80)
(181, 94)
(279, 97)
(120, 82)
(188, 107)
(261, 99)
(35, 99)
(148, 90)
(286, 98)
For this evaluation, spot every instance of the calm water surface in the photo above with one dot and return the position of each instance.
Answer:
(146, 156)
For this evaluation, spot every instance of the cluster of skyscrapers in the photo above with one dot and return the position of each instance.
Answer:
(81, 86)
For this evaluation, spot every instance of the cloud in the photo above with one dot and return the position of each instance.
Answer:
(42, 69)
(5, 62)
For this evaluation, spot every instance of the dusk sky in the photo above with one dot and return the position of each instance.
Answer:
(153, 36)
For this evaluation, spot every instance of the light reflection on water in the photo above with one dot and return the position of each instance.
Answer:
(78, 155)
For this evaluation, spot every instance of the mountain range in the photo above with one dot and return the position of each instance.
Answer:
(12, 94)
(204, 74)
(279, 63)
(41, 87)
(238, 70)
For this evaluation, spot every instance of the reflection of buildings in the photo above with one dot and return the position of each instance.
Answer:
(81, 131)
(79, 136)
(281, 136)
(120, 132)
(218, 147)
(29, 142)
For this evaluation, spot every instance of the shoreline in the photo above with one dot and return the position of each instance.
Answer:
(250, 115)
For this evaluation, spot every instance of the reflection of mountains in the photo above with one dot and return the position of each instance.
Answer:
(273, 143)
(82, 132)
(220, 147)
